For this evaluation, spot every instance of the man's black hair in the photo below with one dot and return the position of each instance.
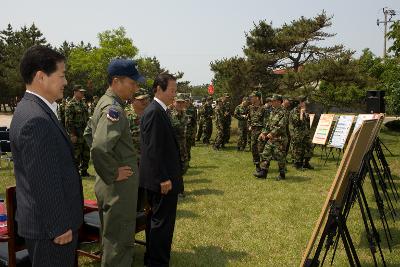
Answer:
(162, 81)
(39, 58)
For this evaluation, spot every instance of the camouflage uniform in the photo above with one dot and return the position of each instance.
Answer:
(276, 146)
(300, 138)
(61, 111)
(208, 125)
(219, 120)
(227, 119)
(256, 123)
(179, 123)
(76, 117)
(200, 116)
(191, 114)
(287, 113)
(241, 114)
(134, 126)
(93, 105)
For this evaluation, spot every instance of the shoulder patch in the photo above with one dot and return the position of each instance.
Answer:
(113, 114)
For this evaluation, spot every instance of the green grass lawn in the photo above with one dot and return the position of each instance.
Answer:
(229, 218)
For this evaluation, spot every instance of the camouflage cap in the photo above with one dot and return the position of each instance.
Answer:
(141, 94)
(256, 93)
(276, 97)
(79, 88)
(180, 97)
(227, 95)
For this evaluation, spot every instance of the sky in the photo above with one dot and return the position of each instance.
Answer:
(186, 35)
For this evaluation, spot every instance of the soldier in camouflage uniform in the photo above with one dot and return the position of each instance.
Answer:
(257, 113)
(219, 120)
(301, 145)
(227, 120)
(177, 115)
(287, 107)
(76, 118)
(200, 116)
(241, 114)
(93, 104)
(191, 114)
(61, 111)
(208, 124)
(275, 133)
(133, 113)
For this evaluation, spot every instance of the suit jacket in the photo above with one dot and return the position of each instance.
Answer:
(159, 158)
(48, 185)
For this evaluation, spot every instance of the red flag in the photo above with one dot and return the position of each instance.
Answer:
(211, 89)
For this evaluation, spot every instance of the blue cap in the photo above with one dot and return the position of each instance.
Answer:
(125, 67)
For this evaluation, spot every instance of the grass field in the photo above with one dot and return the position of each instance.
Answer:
(229, 218)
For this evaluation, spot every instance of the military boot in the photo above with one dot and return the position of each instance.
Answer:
(307, 165)
(281, 175)
(262, 174)
(298, 165)
(258, 169)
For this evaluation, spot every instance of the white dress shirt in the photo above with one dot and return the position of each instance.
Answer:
(52, 106)
(161, 103)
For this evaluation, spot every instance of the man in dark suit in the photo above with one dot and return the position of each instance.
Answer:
(160, 171)
(49, 188)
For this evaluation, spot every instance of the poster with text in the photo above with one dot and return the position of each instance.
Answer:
(323, 128)
(342, 131)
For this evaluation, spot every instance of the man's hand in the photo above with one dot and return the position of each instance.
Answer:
(74, 138)
(123, 173)
(64, 238)
(166, 187)
(270, 136)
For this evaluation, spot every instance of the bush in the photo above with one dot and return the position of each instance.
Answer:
(393, 125)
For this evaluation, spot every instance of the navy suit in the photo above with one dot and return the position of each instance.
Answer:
(159, 162)
(48, 185)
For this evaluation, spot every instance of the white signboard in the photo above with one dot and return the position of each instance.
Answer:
(323, 128)
(341, 132)
(364, 117)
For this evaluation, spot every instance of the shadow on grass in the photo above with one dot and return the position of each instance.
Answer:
(198, 181)
(186, 214)
(205, 192)
(207, 256)
(193, 172)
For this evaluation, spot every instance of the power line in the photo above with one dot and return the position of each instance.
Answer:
(388, 14)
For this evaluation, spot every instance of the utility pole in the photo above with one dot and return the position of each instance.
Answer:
(386, 13)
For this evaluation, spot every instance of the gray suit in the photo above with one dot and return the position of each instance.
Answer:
(48, 185)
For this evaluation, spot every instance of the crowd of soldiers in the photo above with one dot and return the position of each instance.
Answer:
(271, 130)
(277, 130)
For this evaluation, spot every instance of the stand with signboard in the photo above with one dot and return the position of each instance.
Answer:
(347, 188)
(323, 132)
(340, 135)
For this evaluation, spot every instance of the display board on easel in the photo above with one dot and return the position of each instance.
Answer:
(363, 117)
(341, 132)
(351, 162)
(323, 129)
